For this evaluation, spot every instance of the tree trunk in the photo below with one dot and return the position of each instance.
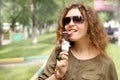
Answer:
(0, 34)
(32, 7)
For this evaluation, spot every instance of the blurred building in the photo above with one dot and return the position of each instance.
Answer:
(103, 5)
(112, 26)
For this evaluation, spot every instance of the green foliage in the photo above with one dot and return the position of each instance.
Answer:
(88, 2)
(15, 10)
(46, 11)
(104, 16)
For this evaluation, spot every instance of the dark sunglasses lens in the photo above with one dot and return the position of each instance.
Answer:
(78, 19)
(66, 20)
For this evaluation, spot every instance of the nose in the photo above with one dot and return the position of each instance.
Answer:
(71, 22)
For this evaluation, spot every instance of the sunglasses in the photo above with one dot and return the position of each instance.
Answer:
(75, 19)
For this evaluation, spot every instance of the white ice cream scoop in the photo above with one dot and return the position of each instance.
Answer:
(65, 42)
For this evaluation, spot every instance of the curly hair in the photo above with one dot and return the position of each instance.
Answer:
(95, 32)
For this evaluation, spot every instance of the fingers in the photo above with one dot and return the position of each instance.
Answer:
(63, 55)
(62, 63)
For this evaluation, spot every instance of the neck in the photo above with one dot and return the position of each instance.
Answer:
(84, 50)
(82, 45)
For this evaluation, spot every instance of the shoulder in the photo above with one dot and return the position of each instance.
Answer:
(54, 53)
(106, 60)
(110, 69)
(107, 63)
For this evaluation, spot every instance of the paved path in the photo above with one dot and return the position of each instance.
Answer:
(31, 62)
(5, 42)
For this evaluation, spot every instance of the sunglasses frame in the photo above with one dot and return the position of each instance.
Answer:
(75, 19)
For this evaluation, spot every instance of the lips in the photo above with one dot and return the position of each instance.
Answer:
(72, 31)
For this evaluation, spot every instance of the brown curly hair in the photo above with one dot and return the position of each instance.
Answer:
(95, 32)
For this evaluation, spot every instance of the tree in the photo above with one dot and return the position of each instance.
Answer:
(0, 24)
(32, 8)
(46, 11)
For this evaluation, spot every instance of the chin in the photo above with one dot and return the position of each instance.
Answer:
(72, 39)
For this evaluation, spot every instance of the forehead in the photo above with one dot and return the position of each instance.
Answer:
(73, 12)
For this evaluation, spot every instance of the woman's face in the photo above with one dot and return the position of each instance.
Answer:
(76, 27)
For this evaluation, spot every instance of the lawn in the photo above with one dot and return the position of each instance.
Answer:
(114, 52)
(44, 47)
(26, 48)
(24, 72)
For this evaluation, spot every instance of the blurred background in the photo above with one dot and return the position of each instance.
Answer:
(27, 33)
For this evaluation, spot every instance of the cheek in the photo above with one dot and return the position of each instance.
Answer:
(82, 31)
(66, 27)
(85, 27)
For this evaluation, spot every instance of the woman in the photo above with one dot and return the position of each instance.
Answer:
(86, 58)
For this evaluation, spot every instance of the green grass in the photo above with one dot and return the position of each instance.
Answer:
(114, 52)
(18, 72)
(26, 48)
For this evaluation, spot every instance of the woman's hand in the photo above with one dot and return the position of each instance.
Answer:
(62, 65)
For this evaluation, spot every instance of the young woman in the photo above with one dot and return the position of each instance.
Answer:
(86, 58)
